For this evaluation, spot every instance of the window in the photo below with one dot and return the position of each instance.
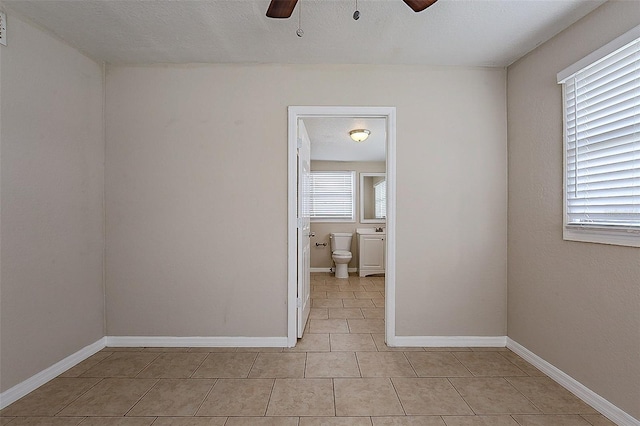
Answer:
(332, 196)
(380, 195)
(601, 104)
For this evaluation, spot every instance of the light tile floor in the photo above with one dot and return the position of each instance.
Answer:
(340, 374)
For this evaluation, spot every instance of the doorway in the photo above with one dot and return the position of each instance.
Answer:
(295, 115)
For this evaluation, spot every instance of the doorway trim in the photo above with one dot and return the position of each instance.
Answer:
(294, 113)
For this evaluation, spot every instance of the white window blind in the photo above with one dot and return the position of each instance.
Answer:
(380, 194)
(332, 195)
(602, 142)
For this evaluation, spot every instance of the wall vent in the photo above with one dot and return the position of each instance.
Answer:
(3, 28)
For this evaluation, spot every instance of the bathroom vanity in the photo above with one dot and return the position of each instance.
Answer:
(371, 245)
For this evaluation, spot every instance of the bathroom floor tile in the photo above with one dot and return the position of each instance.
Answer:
(488, 364)
(437, 364)
(50, 398)
(319, 313)
(328, 326)
(302, 397)
(358, 303)
(340, 295)
(368, 295)
(283, 365)
(430, 396)
(326, 303)
(366, 397)
(352, 342)
(237, 397)
(384, 364)
(379, 303)
(173, 365)
(226, 365)
(493, 395)
(549, 396)
(345, 313)
(352, 287)
(331, 364)
(173, 397)
(110, 397)
(373, 313)
(366, 325)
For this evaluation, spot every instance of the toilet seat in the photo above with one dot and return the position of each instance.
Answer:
(341, 253)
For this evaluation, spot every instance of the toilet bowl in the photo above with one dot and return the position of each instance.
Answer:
(340, 252)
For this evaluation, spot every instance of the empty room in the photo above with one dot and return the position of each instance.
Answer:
(336, 212)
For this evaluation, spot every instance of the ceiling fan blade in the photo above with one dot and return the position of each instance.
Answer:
(419, 5)
(281, 8)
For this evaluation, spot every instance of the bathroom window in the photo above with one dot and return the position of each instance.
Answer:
(332, 196)
(380, 195)
(601, 104)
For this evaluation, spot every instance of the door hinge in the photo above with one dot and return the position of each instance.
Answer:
(299, 302)
(299, 143)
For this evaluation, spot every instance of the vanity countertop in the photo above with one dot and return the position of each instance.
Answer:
(370, 231)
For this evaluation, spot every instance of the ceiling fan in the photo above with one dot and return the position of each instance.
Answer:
(284, 8)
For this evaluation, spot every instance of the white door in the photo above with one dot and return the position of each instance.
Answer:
(304, 228)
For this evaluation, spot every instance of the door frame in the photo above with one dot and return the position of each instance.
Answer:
(295, 113)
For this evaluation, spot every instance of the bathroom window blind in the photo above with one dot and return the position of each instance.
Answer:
(602, 142)
(380, 194)
(332, 195)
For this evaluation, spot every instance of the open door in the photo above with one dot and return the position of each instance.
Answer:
(304, 229)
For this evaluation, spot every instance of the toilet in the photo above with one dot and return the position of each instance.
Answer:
(341, 252)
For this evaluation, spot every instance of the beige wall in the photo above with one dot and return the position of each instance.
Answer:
(51, 190)
(321, 256)
(577, 305)
(196, 192)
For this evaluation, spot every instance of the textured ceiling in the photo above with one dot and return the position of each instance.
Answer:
(451, 32)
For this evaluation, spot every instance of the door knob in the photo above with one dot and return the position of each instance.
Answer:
(312, 234)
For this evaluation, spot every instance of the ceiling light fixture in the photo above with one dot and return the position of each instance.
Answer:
(359, 135)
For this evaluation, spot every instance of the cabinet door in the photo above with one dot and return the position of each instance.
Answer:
(372, 252)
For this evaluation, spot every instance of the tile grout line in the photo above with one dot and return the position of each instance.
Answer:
(78, 397)
(199, 365)
(462, 397)
(393, 385)
(215, 381)
(141, 397)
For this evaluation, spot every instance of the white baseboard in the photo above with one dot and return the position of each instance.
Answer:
(448, 341)
(13, 394)
(328, 270)
(168, 341)
(609, 410)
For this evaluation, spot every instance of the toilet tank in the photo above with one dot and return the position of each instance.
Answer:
(341, 241)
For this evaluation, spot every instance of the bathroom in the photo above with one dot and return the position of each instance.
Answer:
(332, 149)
